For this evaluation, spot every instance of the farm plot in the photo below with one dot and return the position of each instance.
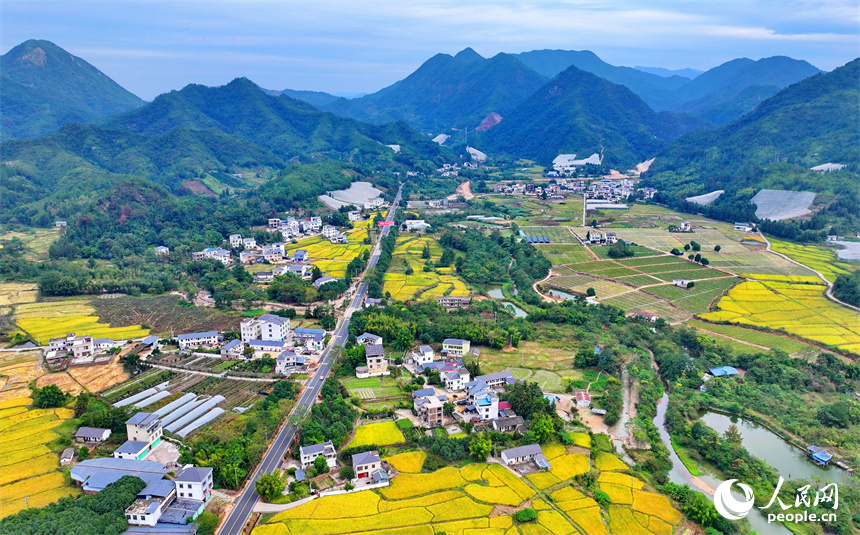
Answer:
(655, 238)
(602, 251)
(379, 434)
(28, 467)
(163, 313)
(98, 378)
(604, 268)
(335, 268)
(555, 234)
(799, 309)
(372, 387)
(424, 284)
(15, 293)
(774, 341)
(565, 253)
(320, 248)
(36, 241)
(62, 380)
(756, 262)
(602, 288)
(818, 258)
(43, 321)
(639, 280)
(19, 369)
(697, 299)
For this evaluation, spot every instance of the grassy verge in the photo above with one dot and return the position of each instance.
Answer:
(684, 455)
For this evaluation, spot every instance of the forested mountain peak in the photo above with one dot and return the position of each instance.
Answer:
(44, 87)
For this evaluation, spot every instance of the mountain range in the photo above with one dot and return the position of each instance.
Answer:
(44, 87)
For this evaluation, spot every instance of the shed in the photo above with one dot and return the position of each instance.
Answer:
(724, 371)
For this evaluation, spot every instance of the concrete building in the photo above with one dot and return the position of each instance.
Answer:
(308, 454)
(455, 347)
(265, 327)
(365, 464)
(367, 338)
(429, 409)
(91, 435)
(144, 434)
(77, 347)
(194, 340)
(524, 454)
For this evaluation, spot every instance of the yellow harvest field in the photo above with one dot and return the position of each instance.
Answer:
(430, 503)
(408, 462)
(381, 434)
(818, 258)
(427, 284)
(44, 321)
(799, 309)
(14, 293)
(319, 248)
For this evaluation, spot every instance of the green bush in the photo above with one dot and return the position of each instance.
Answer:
(526, 515)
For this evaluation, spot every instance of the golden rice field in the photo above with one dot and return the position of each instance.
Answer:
(381, 434)
(320, 248)
(818, 258)
(371, 222)
(799, 309)
(44, 321)
(427, 284)
(18, 370)
(477, 500)
(335, 268)
(15, 293)
(27, 467)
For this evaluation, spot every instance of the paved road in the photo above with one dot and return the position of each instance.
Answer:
(244, 503)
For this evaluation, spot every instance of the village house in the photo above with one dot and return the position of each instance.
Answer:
(235, 240)
(454, 301)
(308, 454)
(497, 380)
(429, 409)
(743, 227)
(365, 464)
(92, 435)
(144, 433)
(78, 347)
(162, 252)
(340, 238)
(249, 243)
(368, 338)
(354, 215)
(424, 355)
(511, 424)
(455, 347)
(60, 224)
(415, 225)
(262, 347)
(300, 255)
(194, 340)
(329, 231)
(221, 255)
(264, 277)
(272, 254)
(681, 283)
(265, 327)
(647, 316)
(248, 257)
(583, 399)
(377, 364)
(232, 349)
(325, 279)
(456, 380)
(524, 454)
(312, 339)
(288, 360)
(304, 271)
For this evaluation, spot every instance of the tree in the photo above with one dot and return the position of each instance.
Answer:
(699, 509)
(207, 523)
(48, 397)
(425, 252)
(733, 435)
(316, 273)
(347, 473)
(686, 246)
(602, 498)
(526, 515)
(320, 465)
(690, 284)
(83, 453)
(590, 292)
(717, 248)
(248, 352)
(480, 446)
(543, 428)
(448, 408)
(270, 486)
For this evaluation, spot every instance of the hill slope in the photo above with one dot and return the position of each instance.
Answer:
(808, 123)
(581, 113)
(447, 91)
(44, 87)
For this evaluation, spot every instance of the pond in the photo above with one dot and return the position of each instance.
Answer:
(495, 292)
(559, 293)
(708, 481)
(788, 461)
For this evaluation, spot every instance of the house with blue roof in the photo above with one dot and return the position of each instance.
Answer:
(724, 371)
(819, 455)
(194, 340)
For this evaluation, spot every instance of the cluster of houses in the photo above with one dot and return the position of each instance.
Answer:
(376, 362)
(450, 170)
(597, 237)
(220, 254)
(163, 503)
(79, 349)
(267, 334)
(292, 228)
(553, 191)
(367, 465)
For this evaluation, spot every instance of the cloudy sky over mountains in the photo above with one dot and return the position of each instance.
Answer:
(356, 47)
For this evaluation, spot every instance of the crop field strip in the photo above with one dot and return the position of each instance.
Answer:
(560, 235)
(818, 258)
(799, 309)
(460, 501)
(775, 341)
(407, 254)
(28, 467)
(48, 320)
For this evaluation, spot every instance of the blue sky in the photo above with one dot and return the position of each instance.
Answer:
(355, 47)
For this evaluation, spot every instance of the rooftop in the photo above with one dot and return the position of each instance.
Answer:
(132, 446)
(189, 336)
(142, 419)
(365, 458)
(193, 473)
(522, 451)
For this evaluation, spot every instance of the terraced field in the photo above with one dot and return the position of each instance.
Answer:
(560, 254)
(478, 498)
(555, 234)
(15, 293)
(28, 468)
(423, 284)
(43, 321)
(319, 248)
(799, 309)
(818, 258)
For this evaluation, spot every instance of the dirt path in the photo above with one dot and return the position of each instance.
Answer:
(545, 297)
(463, 190)
(733, 339)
